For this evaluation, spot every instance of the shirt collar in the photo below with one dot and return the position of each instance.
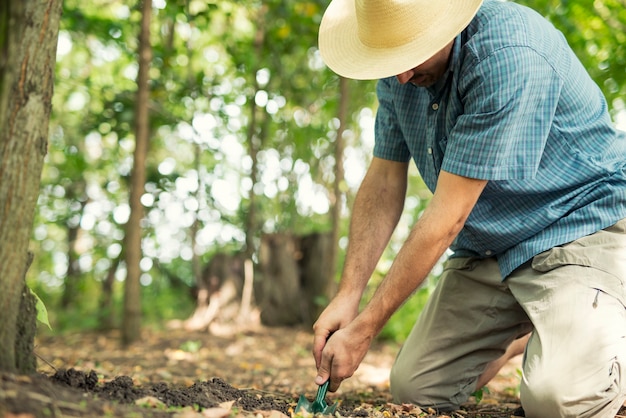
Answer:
(436, 88)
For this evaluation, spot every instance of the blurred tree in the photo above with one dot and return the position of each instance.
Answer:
(247, 130)
(28, 39)
(131, 325)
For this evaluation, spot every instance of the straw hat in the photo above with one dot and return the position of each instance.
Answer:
(371, 39)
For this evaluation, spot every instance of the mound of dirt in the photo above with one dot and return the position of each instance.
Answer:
(208, 394)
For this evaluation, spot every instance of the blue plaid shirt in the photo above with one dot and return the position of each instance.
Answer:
(517, 108)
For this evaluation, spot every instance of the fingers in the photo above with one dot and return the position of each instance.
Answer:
(335, 363)
(333, 359)
(319, 342)
(324, 372)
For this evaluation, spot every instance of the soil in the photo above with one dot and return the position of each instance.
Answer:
(227, 373)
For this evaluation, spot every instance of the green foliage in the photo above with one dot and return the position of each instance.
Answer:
(227, 78)
(42, 312)
(480, 393)
(596, 30)
(400, 324)
(191, 346)
(208, 83)
(162, 301)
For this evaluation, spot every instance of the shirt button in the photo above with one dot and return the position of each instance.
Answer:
(488, 252)
(435, 106)
(430, 150)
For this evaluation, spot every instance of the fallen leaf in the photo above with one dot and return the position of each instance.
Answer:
(150, 401)
(188, 412)
(216, 413)
(271, 414)
(227, 405)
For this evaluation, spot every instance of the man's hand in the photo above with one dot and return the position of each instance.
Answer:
(342, 354)
(337, 315)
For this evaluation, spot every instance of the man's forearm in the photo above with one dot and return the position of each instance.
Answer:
(429, 239)
(419, 254)
(376, 212)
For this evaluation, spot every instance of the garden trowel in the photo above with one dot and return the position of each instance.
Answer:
(319, 405)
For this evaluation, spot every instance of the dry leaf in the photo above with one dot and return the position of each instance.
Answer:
(227, 405)
(216, 413)
(188, 412)
(271, 414)
(150, 401)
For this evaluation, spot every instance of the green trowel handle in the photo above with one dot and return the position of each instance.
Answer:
(321, 393)
(319, 405)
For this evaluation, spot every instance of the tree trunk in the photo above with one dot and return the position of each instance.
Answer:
(72, 275)
(105, 311)
(329, 286)
(131, 325)
(294, 274)
(278, 294)
(254, 138)
(28, 40)
(73, 282)
(316, 273)
(26, 328)
(220, 290)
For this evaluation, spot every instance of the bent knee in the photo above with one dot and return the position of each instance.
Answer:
(543, 398)
(555, 397)
(425, 390)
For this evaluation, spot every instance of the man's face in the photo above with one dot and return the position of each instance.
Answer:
(429, 72)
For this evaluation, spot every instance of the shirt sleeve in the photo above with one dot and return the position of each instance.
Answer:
(509, 100)
(389, 139)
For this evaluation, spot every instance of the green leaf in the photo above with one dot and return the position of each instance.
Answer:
(42, 312)
(480, 393)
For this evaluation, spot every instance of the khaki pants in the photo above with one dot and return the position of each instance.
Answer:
(572, 298)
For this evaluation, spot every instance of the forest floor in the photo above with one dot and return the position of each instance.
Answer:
(173, 373)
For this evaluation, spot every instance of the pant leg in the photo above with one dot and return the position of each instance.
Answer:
(469, 321)
(575, 360)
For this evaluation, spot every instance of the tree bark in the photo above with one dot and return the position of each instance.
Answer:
(316, 274)
(105, 311)
(26, 328)
(73, 277)
(28, 41)
(219, 291)
(294, 278)
(330, 286)
(131, 326)
(278, 293)
(254, 138)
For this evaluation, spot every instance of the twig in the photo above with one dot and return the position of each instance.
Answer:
(45, 361)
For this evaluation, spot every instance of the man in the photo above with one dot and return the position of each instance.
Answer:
(529, 191)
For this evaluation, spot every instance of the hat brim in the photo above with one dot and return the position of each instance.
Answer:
(344, 53)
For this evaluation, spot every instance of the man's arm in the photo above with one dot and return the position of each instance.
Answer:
(432, 234)
(376, 211)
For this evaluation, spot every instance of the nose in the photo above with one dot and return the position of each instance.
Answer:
(404, 77)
